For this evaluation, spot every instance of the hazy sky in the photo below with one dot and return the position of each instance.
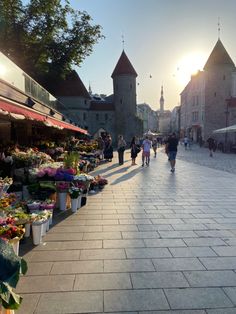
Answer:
(166, 39)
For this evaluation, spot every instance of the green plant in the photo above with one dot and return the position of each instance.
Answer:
(11, 266)
(71, 160)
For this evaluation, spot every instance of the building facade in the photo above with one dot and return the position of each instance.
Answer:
(115, 114)
(149, 118)
(204, 105)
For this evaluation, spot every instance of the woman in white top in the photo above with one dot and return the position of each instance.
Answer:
(121, 149)
(147, 144)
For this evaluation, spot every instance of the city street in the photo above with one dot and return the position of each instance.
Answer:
(151, 242)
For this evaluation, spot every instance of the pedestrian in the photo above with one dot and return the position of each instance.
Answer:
(146, 146)
(101, 146)
(134, 149)
(154, 146)
(211, 145)
(121, 149)
(172, 145)
(186, 141)
(108, 150)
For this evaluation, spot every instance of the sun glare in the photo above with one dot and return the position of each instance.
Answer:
(2, 70)
(189, 65)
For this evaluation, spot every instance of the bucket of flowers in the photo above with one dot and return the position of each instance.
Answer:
(10, 232)
(62, 190)
(75, 193)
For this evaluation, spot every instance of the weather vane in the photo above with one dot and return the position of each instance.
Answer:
(218, 27)
(123, 41)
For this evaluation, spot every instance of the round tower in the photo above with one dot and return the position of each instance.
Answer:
(124, 88)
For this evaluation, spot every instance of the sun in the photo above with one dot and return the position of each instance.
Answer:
(188, 65)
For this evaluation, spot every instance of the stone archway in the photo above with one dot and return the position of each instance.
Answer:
(99, 132)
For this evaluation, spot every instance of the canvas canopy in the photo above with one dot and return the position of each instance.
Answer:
(229, 129)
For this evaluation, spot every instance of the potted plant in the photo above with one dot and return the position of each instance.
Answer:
(11, 266)
(75, 192)
(62, 189)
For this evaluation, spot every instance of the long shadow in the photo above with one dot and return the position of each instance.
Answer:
(104, 170)
(126, 176)
(123, 169)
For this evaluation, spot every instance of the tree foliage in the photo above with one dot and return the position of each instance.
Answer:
(45, 37)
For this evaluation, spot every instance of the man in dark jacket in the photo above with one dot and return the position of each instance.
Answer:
(171, 147)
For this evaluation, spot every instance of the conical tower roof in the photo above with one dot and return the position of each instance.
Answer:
(124, 67)
(218, 56)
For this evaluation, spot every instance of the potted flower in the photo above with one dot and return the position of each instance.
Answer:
(75, 192)
(11, 266)
(10, 232)
(62, 189)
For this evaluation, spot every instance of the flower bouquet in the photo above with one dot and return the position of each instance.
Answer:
(75, 191)
(5, 184)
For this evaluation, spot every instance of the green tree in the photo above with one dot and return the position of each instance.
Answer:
(45, 37)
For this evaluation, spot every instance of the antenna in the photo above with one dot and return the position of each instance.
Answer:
(218, 27)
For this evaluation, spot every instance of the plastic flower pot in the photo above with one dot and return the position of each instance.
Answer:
(27, 230)
(50, 219)
(15, 244)
(44, 229)
(62, 200)
(79, 202)
(74, 205)
(37, 227)
(47, 225)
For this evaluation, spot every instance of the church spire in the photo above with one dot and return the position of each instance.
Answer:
(162, 101)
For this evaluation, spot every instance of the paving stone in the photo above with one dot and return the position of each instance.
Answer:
(211, 278)
(50, 283)
(222, 311)
(46, 256)
(164, 242)
(102, 254)
(204, 241)
(175, 312)
(147, 253)
(212, 263)
(76, 267)
(177, 234)
(69, 245)
(73, 236)
(192, 251)
(197, 298)
(231, 292)
(225, 250)
(42, 268)
(154, 227)
(120, 228)
(140, 235)
(102, 282)
(134, 300)
(159, 280)
(75, 229)
(167, 221)
(215, 233)
(131, 265)
(108, 244)
(175, 264)
(28, 304)
(101, 235)
(71, 302)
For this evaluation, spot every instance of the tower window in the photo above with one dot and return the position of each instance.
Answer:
(97, 116)
(215, 94)
(121, 101)
(85, 101)
(116, 86)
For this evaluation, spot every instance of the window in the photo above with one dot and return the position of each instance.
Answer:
(121, 101)
(84, 116)
(97, 116)
(85, 101)
(195, 116)
(106, 116)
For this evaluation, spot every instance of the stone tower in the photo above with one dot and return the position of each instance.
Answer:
(218, 72)
(124, 88)
(162, 101)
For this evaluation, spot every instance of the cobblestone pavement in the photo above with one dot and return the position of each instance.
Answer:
(150, 242)
(200, 156)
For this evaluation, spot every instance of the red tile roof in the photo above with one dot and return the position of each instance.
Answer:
(71, 86)
(124, 67)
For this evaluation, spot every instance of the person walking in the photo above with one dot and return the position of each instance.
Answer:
(134, 150)
(211, 145)
(172, 145)
(121, 149)
(101, 146)
(108, 150)
(154, 146)
(147, 144)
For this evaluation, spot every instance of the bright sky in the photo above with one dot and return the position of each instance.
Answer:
(167, 39)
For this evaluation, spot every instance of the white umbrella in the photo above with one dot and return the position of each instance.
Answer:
(229, 129)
